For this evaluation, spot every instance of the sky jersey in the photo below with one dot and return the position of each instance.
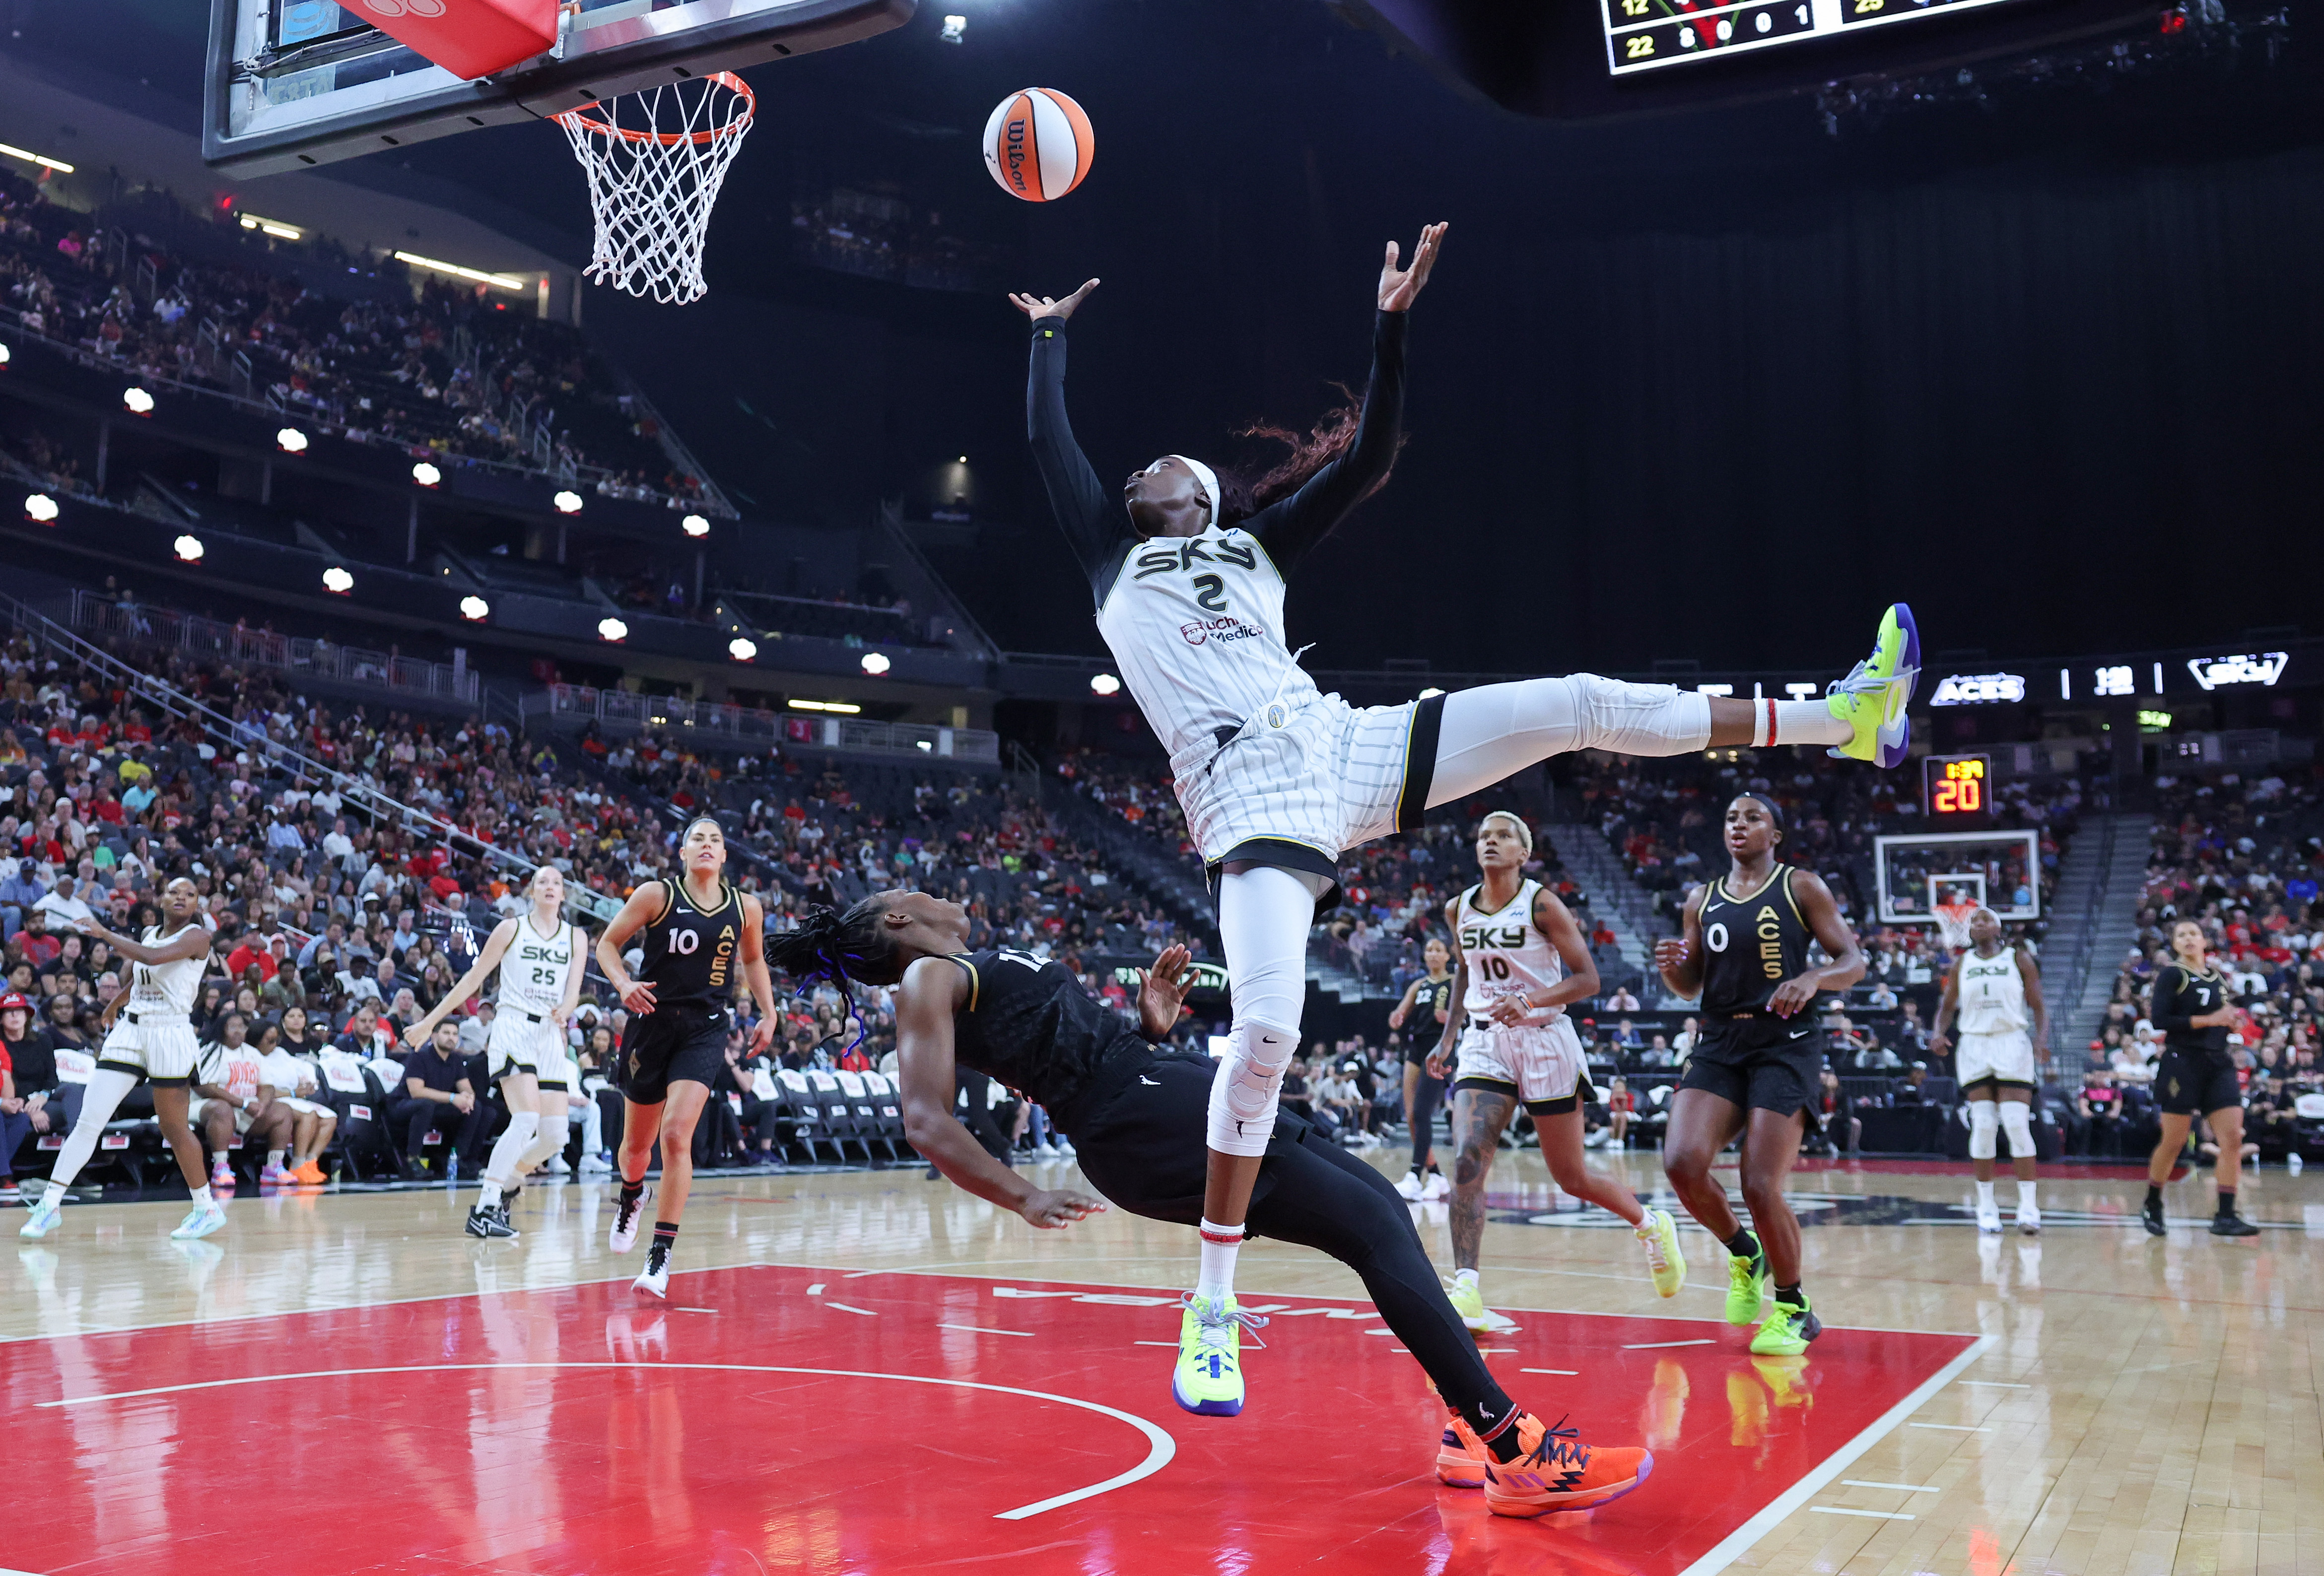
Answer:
(1750, 944)
(1029, 1025)
(1506, 954)
(693, 954)
(1992, 993)
(535, 969)
(166, 990)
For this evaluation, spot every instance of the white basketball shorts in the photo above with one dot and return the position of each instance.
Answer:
(2006, 1057)
(1320, 773)
(160, 1051)
(1541, 1067)
(517, 1045)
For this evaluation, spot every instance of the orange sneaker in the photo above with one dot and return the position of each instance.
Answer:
(310, 1174)
(1461, 1457)
(1561, 1473)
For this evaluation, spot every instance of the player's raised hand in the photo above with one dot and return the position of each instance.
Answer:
(1053, 1210)
(1162, 990)
(1039, 307)
(1398, 286)
(1670, 952)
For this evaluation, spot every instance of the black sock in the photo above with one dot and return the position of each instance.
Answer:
(2227, 1201)
(1496, 1411)
(665, 1238)
(630, 1192)
(1743, 1245)
(1791, 1294)
(2153, 1196)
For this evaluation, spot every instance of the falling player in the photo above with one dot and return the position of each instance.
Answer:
(1427, 1007)
(540, 961)
(1134, 1109)
(1991, 990)
(1519, 960)
(1754, 1071)
(152, 1041)
(696, 929)
(1276, 778)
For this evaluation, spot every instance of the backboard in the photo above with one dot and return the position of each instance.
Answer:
(1921, 871)
(295, 83)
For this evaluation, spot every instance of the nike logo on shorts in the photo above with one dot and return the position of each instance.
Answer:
(1156, 1083)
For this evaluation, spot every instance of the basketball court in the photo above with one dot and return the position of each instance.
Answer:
(870, 1370)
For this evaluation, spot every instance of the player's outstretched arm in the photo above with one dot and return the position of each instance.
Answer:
(1948, 1005)
(1093, 522)
(1836, 935)
(931, 992)
(496, 948)
(754, 971)
(192, 941)
(2031, 972)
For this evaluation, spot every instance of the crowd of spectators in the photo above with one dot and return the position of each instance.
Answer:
(446, 371)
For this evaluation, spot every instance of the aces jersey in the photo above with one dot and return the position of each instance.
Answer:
(1992, 993)
(1506, 952)
(1751, 945)
(691, 951)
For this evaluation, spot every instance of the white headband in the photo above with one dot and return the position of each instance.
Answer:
(1209, 478)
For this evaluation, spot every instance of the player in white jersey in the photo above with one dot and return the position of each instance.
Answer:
(541, 959)
(152, 1040)
(1278, 779)
(1993, 994)
(1518, 960)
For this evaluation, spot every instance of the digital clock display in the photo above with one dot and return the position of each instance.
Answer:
(1959, 785)
(1642, 35)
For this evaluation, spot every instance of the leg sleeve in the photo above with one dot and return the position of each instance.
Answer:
(106, 1090)
(1496, 730)
(1264, 915)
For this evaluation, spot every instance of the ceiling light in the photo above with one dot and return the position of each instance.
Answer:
(339, 580)
(741, 649)
(875, 663)
(4, 356)
(188, 548)
(454, 269)
(694, 525)
(43, 160)
(274, 227)
(475, 609)
(567, 502)
(290, 440)
(1106, 684)
(613, 628)
(425, 475)
(843, 707)
(39, 506)
(138, 401)
(963, 459)
(955, 29)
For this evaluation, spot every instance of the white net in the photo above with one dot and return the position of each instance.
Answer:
(654, 161)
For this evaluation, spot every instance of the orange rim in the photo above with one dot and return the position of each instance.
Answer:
(580, 119)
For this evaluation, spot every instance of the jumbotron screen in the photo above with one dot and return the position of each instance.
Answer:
(1642, 35)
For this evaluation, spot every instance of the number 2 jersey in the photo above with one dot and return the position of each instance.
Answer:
(1030, 1025)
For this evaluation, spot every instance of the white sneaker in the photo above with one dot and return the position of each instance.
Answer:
(1988, 1218)
(653, 1281)
(1065, 1150)
(1436, 1187)
(558, 1167)
(2029, 1219)
(45, 1210)
(624, 1234)
(200, 1221)
(2294, 1164)
(1045, 1151)
(595, 1166)
(1411, 1186)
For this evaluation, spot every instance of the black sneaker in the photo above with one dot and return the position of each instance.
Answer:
(484, 1222)
(2151, 1217)
(2233, 1226)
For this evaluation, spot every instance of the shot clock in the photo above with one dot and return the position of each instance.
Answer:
(1958, 787)
(1644, 34)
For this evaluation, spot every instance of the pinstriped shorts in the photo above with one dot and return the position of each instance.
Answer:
(1322, 774)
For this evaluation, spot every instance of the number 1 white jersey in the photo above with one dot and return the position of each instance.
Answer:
(536, 968)
(1506, 954)
(1992, 993)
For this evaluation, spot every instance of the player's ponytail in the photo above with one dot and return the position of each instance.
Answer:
(1332, 437)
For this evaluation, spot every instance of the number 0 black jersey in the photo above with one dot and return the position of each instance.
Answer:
(691, 954)
(1031, 1026)
(1750, 944)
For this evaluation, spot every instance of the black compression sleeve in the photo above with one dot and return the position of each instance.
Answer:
(1287, 528)
(1093, 529)
(2168, 1011)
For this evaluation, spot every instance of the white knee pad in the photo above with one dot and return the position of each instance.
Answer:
(2018, 1120)
(549, 1140)
(1982, 1125)
(1247, 1086)
(514, 1140)
(1638, 719)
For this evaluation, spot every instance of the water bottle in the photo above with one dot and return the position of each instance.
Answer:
(452, 1169)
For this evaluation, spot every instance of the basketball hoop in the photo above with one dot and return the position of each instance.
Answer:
(652, 183)
(1952, 923)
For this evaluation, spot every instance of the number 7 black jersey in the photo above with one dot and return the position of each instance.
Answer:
(1750, 944)
(1030, 1025)
(691, 954)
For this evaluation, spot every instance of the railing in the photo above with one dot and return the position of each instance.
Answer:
(160, 626)
(629, 712)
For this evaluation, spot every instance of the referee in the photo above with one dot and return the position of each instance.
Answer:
(2195, 1076)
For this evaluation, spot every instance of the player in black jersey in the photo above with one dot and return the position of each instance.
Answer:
(697, 931)
(1427, 1007)
(1758, 1065)
(1134, 1111)
(2196, 1076)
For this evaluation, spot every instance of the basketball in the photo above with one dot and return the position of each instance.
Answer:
(1038, 144)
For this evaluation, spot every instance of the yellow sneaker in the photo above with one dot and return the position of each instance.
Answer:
(1468, 1300)
(1665, 1262)
(1747, 1287)
(1208, 1378)
(1788, 1329)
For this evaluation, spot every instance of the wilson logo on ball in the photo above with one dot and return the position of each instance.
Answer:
(1038, 144)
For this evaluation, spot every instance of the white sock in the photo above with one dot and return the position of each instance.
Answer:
(1467, 1278)
(1984, 1196)
(1797, 722)
(1214, 1283)
(275, 1156)
(488, 1195)
(2025, 1195)
(202, 1200)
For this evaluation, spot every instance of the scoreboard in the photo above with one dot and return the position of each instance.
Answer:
(1643, 35)
(1958, 785)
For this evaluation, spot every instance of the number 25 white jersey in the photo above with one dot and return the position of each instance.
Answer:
(1506, 954)
(536, 968)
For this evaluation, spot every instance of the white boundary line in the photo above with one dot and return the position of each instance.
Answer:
(1160, 1446)
(988, 1330)
(1728, 1548)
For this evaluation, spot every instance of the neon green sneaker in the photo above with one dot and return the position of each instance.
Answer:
(1747, 1287)
(1468, 1300)
(1872, 699)
(1209, 1376)
(1665, 1262)
(1788, 1329)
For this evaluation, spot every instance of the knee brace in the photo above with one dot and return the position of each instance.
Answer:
(1638, 719)
(513, 1142)
(549, 1140)
(1982, 1125)
(2018, 1120)
(1247, 1087)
